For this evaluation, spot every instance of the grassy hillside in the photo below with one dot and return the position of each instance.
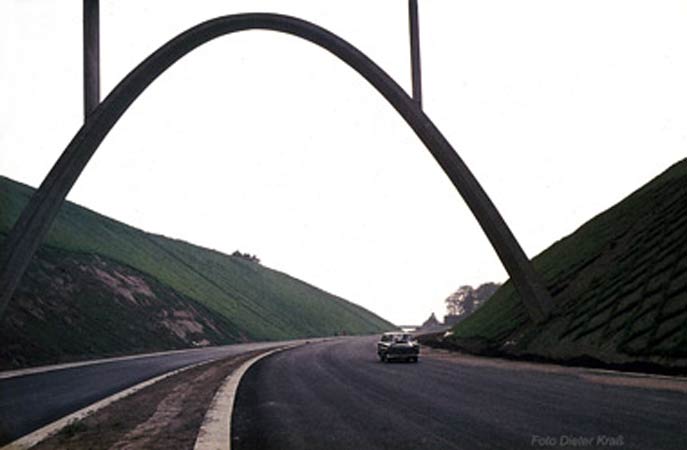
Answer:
(619, 285)
(246, 300)
(71, 306)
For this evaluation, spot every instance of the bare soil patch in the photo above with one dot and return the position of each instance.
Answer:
(166, 415)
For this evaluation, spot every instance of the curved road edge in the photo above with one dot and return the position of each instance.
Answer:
(49, 429)
(42, 433)
(215, 432)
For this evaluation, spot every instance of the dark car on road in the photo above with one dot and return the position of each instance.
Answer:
(396, 345)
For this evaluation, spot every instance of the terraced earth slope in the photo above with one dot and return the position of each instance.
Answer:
(619, 284)
(99, 287)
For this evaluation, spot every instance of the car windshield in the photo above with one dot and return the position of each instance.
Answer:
(403, 338)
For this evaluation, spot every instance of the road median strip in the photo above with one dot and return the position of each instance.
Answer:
(198, 394)
(35, 437)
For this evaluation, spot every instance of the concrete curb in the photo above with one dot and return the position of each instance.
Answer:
(43, 433)
(215, 432)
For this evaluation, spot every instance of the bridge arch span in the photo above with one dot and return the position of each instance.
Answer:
(35, 220)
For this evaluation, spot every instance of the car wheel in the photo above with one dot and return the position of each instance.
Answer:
(382, 358)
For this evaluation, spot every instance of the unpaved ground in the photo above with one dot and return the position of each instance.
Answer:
(608, 377)
(166, 415)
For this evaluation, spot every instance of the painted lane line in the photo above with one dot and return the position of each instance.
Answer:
(33, 438)
(215, 432)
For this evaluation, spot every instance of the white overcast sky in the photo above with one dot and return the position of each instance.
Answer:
(265, 143)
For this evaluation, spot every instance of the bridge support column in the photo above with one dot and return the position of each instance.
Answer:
(415, 52)
(91, 56)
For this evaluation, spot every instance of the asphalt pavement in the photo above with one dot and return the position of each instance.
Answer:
(31, 401)
(338, 395)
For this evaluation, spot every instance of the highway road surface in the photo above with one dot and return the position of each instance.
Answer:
(337, 395)
(31, 401)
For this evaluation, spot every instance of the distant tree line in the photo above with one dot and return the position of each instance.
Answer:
(467, 300)
(247, 256)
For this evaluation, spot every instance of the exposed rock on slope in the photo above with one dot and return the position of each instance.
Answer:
(74, 305)
(99, 287)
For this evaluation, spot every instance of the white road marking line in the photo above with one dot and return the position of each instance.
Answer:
(41, 369)
(31, 439)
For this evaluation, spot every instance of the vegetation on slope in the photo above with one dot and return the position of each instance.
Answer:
(619, 284)
(242, 299)
(73, 305)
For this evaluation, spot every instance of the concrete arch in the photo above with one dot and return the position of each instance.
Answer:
(35, 220)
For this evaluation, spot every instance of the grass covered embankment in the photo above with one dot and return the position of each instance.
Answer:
(619, 285)
(99, 287)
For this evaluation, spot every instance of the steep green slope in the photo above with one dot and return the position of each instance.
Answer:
(252, 301)
(73, 306)
(619, 284)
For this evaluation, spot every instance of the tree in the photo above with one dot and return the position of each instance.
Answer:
(461, 302)
(485, 291)
(247, 256)
(467, 299)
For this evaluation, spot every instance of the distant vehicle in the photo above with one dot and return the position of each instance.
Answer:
(398, 345)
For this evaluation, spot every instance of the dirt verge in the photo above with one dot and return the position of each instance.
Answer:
(165, 415)
(592, 375)
(480, 349)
